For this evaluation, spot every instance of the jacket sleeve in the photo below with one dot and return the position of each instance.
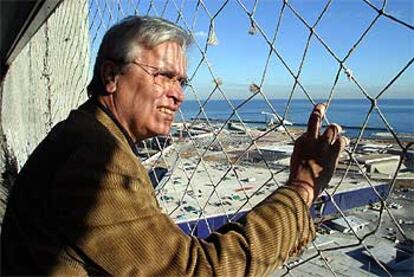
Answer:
(103, 203)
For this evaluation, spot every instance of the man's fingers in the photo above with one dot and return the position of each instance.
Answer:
(331, 133)
(315, 120)
(297, 154)
(340, 143)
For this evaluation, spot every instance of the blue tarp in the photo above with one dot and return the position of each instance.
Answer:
(345, 201)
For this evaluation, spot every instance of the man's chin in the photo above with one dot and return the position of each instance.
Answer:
(163, 131)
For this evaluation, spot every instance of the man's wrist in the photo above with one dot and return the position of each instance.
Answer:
(304, 189)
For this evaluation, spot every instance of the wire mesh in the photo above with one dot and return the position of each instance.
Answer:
(223, 156)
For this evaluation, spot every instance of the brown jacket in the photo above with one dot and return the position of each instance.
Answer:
(83, 204)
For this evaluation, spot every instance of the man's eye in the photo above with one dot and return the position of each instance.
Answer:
(184, 82)
(172, 77)
(167, 74)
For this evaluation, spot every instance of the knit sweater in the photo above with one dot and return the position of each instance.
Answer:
(83, 204)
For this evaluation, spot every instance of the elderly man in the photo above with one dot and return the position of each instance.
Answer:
(83, 203)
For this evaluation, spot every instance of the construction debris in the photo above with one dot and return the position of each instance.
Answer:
(395, 258)
(355, 223)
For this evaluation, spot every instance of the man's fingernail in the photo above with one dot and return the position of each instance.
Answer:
(320, 108)
(347, 141)
(338, 128)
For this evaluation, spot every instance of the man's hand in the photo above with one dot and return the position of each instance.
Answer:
(315, 156)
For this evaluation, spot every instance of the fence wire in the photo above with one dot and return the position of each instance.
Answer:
(215, 169)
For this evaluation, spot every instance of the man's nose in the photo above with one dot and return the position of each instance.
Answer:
(176, 92)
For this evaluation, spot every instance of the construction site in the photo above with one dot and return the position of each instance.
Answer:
(218, 162)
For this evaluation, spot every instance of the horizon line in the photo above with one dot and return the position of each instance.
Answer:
(304, 98)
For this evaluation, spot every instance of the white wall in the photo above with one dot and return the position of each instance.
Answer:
(46, 80)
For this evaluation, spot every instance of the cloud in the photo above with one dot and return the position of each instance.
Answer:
(200, 34)
(401, 14)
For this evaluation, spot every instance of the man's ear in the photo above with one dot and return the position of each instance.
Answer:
(109, 76)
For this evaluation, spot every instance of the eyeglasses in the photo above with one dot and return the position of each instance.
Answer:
(163, 78)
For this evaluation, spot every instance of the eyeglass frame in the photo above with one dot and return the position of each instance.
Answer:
(170, 76)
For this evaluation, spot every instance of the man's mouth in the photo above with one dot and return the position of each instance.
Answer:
(166, 111)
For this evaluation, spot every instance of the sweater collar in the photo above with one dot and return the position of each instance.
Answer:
(121, 131)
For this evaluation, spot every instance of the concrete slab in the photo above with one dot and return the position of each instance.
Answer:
(355, 223)
(392, 257)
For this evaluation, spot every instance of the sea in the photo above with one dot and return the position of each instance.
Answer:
(349, 113)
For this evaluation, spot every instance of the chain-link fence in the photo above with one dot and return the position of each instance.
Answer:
(256, 69)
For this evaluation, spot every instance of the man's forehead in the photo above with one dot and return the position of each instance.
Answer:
(169, 55)
(165, 51)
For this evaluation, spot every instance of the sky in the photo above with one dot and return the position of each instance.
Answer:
(239, 58)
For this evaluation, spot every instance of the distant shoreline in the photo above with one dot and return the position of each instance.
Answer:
(350, 131)
(218, 120)
(351, 114)
(316, 100)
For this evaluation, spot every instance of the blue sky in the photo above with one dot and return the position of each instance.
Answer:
(239, 58)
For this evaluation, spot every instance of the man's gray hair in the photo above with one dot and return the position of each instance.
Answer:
(121, 43)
